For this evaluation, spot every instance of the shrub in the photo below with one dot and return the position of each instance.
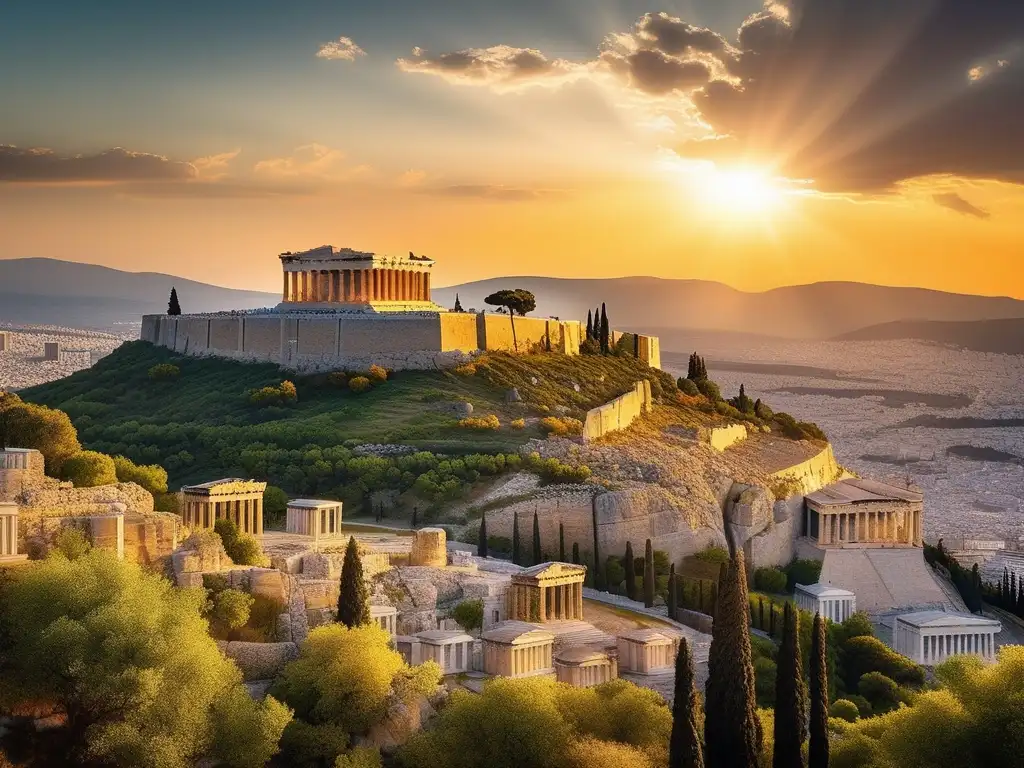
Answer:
(469, 614)
(337, 379)
(845, 710)
(688, 387)
(311, 746)
(882, 691)
(765, 673)
(152, 477)
(862, 704)
(284, 393)
(710, 390)
(561, 426)
(71, 543)
(863, 655)
(466, 369)
(377, 374)
(242, 548)
(164, 372)
(801, 571)
(228, 609)
(715, 555)
(518, 424)
(88, 469)
(770, 580)
(359, 384)
(480, 422)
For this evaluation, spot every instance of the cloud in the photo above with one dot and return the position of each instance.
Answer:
(954, 202)
(311, 161)
(501, 67)
(214, 167)
(342, 49)
(859, 95)
(114, 165)
(493, 192)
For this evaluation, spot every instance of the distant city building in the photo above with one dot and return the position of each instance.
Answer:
(931, 637)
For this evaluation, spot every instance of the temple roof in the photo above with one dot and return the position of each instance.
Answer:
(580, 654)
(933, 619)
(646, 636)
(553, 570)
(328, 253)
(824, 590)
(517, 633)
(441, 636)
(313, 503)
(854, 490)
(227, 485)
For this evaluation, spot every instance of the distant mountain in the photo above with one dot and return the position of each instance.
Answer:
(85, 295)
(819, 310)
(1001, 336)
(53, 292)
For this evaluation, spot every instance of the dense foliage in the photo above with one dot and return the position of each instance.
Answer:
(88, 469)
(49, 431)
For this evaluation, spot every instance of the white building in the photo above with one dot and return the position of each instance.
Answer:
(316, 518)
(831, 602)
(451, 649)
(385, 617)
(931, 637)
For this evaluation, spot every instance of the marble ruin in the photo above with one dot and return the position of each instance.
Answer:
(385, 617)
(647, 651)
(930, 637)
(451, 649)
(9, 534)
(859, 511)
(583, 667)
(315, 518)
(232, 498)
(831, 602)
(515, 649)
(547, 592)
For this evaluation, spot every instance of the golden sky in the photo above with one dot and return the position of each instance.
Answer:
(756, 146)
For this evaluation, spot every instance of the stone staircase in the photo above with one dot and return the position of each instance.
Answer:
(884, 579)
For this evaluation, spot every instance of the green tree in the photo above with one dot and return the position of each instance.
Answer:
(818, 752)
(576, 553)
(649, 575)
(469, 614)
(561, 543)
(605, 330)
(173, 307)
(354, 598)
(517, 554)
(49, 431)
(590, 325)
(126, 656)
(481, 542)
(517, 302)
(673, 593)
(538, 556)
(732, 730)
(152, 477)
(790, 696)
(88, 469)
(684, 750)
(275, 506)
(629, 564)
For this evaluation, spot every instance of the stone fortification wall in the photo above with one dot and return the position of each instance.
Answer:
(619, 413)
(64, 500)
(811, 475)
(309, 341)
(144, 540)
(646, 348)
(721, 438)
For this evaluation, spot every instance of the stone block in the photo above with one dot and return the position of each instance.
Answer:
(189, 579)
(260, 661)
(429, 547)
(267, 583)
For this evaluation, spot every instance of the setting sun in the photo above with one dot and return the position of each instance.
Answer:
(741, 190)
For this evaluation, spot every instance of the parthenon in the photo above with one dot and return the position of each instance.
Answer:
(547, 592)
(864, 512)
(330, 277)
(238, 500)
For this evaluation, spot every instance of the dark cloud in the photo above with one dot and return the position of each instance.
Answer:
(655, 72)
(860, 94)
(673, 36)
(114, 165)
(499, 66)
(954, 202)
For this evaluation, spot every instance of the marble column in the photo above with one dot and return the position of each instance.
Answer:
(427, 296)
(332, 295)
(543, 605)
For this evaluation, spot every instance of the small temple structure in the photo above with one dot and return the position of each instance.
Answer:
(831, 602)
(860, 511)
(583, 667)
(452, 649)
(330, 278)
(931, 637)
(547, 592)
(516, 649)
(232, 499)
(385, 617)
(9, 534)
(647, 651)
(316, 518)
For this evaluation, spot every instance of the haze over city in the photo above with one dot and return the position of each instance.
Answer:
(754, 145)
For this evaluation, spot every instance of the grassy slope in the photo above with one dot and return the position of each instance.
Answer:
(118, 409)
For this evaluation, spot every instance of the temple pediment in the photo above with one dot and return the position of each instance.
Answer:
(544, 571)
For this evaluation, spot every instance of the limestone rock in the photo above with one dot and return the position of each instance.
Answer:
(429, 547)
(260, 661)
(268, 583)
(401, 722)
(512, 396)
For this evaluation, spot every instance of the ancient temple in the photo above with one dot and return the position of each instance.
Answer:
(325, 278)
(547, 592)
(865, 512)
(234, 499)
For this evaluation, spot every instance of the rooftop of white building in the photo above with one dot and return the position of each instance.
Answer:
(824, 590)
(936, 619)
(854, 490)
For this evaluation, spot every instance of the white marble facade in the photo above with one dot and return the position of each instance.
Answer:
(931, 637)
(831, 602)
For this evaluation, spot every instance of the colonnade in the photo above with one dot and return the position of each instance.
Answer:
(353, 286)
(204, 511)
(937, 648)
(527, 660)
(8, 530)
(866, 527)
(560, 602)
(586, 675)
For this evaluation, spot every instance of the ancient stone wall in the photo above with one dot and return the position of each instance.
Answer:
(261, 335)
(619, 413)
(259, 661)
(458, 331)
(494, 334)
(67, 501)
(721, 438)
(20, 471)
(809, 476)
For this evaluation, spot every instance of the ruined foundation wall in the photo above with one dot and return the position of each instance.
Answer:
(619, 413)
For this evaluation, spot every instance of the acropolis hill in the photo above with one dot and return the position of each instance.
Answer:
(342, 308)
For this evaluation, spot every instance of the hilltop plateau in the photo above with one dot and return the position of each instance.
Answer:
(499, 436)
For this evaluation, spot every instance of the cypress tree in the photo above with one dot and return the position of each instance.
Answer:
(599, 580)
(517, 556)
(1006, 588)
(790, 696)
(590, 325)
(732, 730)
(649, 575)
(415, 514)
(684, 746)
(575, 553)
(561, 543)
(173, 307)
(630, 566)
(537, 555)
(1020, 597)
(605, 330)
(481, 544)
(818, 752)
(673, 593)
(771, 618)
(353, 598)
(1013, 591)
(458, 305)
